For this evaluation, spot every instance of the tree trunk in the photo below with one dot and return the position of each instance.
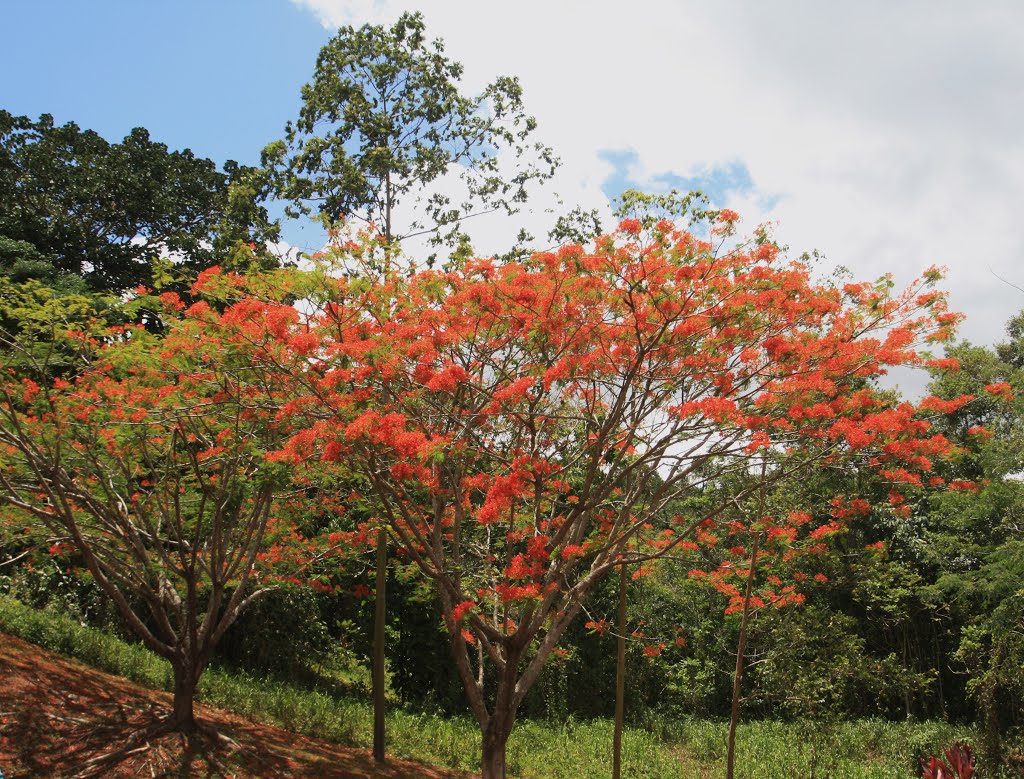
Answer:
(503, 717)
(620, 679)
(906, 667)
(737, 676)
(186, 679)
(938, 672)
(378, 647)
(495, 739)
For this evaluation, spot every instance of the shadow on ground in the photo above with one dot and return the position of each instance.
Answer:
(60, 718)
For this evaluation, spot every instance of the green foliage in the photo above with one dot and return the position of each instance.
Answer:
(44, 583)
(105, 211)
(581, 226)
(979, 536)
(292, 629)
(20, 261)
(419, 651)
(384, 118)
(48, 331)
(55, 630)
(812, 664)
(682, 208)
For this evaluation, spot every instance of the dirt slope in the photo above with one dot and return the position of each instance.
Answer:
(60, 718)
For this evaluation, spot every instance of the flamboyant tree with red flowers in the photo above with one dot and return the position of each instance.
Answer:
(525, 427)
(144, 459)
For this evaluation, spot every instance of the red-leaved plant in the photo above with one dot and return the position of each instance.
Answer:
(960, 765)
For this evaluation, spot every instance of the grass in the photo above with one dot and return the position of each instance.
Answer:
(858, 749)
(865, 749)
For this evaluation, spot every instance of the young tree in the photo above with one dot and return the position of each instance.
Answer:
(146, 465)
(524, 426)
(384, 118)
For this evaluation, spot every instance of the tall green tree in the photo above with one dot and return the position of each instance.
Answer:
(385, 117)
(978, 533)
(383, 120)
(106, 211)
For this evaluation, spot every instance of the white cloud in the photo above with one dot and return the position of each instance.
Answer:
(333, 15)
(892, 134)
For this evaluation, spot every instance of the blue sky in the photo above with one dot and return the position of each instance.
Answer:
(218, 76)
(719, 183)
